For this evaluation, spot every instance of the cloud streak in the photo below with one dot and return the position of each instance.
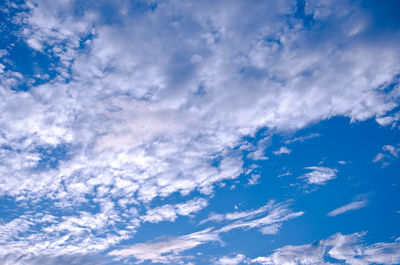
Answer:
(349, 207)
(168, 250)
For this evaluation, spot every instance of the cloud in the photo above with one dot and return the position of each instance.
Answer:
(259, 151)
(168, 250)
(319, 175)
(378, 157)
(301, 139)
(389, 119)
(288, 173)
(388, 153)
(282, 150)
(158, 103)
(170, 212)
(268, 224)
(268, 208)
(346, 248)
(235, 260)
(51, 260)
(254, 179)
(349, 207)
(394, 151)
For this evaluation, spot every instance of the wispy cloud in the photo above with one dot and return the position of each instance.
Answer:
(345, 248)
(388, 153)
(301, 139)
(319, 175)
(268, 219)
(349, 207)
(167, 250)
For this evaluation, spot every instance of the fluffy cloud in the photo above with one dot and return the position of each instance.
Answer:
(231, 260)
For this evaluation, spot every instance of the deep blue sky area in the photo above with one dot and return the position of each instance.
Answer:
(224, 132)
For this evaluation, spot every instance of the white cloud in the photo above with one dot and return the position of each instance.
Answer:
(240, 215)
(302, 138)
(319, 175)
(254, 179)
(288, 173)
(349, 207)
(169, 250)
(378, 157)
(22, 259)
(268, 218)
(389, 152)
(346, 248)
(170, 212)
(389, 119)
(63, 236)
(259, 151)
(282, 150)
(394, 151)
(238, 259)
(142, 114)
(269, 224)
(131, 103)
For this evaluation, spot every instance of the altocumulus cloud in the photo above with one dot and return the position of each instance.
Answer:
(133, 103)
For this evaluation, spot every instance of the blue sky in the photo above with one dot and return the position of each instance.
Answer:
(199, 132)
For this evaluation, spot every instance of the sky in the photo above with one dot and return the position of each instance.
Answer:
(199, 132)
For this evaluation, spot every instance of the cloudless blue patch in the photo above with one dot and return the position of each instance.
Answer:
(36, 67)
(300, 13)
(50, 156)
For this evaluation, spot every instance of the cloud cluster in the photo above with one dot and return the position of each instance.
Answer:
(337, 248)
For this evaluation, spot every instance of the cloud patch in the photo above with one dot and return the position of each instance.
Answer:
(319, 175)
